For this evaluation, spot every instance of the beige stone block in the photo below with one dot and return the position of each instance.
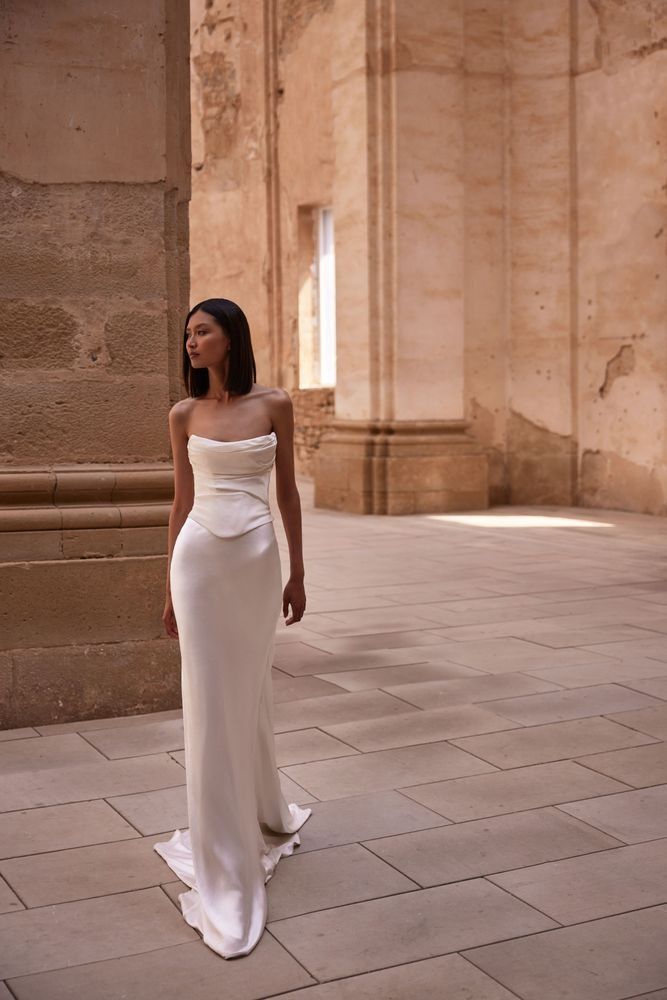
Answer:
(385, 677)
(360, 817)
(651, 720)
(31, 546)
(448, 977)
(594, 886)
(160, 811)
(621, 671)
(552, 741)
(628, 816)
(384, 769)
(82, 872)
(436, 694)
(428, 726)
(171, 972)
(294, 792)
(55, 785)
(138, 740)
(508, 654)
(640, 767)
(89, 930)
(110, 722)
(483, 846)
(557, 706)
(299, 746)
(68, 683)
(9, 901)
(25, 733)
(331, 877)
(286, 688)
(56, 828)
(46, 751)
(607, 959)
(370, 935)
(308, 712)
(512, 791)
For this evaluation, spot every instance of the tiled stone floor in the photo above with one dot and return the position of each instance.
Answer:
(476, 709)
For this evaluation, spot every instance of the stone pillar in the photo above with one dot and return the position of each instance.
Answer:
(93, 292)
(399, 441)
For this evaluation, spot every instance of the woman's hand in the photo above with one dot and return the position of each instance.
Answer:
(294, 594)
(169, 618)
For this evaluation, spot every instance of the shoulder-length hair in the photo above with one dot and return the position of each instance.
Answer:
(242, 369)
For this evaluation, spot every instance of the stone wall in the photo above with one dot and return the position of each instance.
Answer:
(94, 188)
(548, 118)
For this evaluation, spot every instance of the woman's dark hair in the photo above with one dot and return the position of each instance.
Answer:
(242, 369)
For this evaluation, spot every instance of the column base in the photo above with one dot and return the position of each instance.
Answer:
(400, 467)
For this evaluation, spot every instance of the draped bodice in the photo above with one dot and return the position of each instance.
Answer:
(231, 483)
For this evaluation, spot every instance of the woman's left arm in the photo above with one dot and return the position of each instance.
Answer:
(289, 503)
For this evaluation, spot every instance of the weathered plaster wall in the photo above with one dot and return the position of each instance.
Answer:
(621, 124)
(229, 211)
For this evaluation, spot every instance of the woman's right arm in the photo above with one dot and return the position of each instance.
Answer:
(183, 495)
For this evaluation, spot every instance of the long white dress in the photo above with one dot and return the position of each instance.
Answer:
(226, 588)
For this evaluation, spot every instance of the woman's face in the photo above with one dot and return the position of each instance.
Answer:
(206, 342)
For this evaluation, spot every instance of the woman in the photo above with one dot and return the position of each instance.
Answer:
(223, 601)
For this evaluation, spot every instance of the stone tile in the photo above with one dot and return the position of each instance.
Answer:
(46, 752)
(9, 901)
(655, 686)
(608, 959)
(160, 811)
(331, 877)
(441, 694)
(378, 620)
(381, 642)
(371, 772)
(418, 727)
(4, 993)
(113, 722)
(298, 658)
(354, 659)
(638, 767)
(559, 638)
(648, 720)
(509, 654)
(597, 885)
(302, 745)
(382, 677)
(293, 792)
(82, 872)
(511, 791)
(361, 817)
(333, 708)
(629, 816)
(482, 846)
(602, 672)
(190, 970)
(552, 741)
(89, 930)
(55, 828)
(557, 706)
(286, 688)
(55, 785)
(26, 733)
(362, 937)
(449, 977)
(654, 647)
(139, 740)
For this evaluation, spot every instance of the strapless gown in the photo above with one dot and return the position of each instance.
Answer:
(226, 588)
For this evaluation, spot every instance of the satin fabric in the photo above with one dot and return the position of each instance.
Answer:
(226, 588)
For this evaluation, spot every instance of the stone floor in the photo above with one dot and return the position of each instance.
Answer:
(476, 709)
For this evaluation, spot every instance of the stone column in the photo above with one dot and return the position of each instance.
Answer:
(93, 293)
(399, 443)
